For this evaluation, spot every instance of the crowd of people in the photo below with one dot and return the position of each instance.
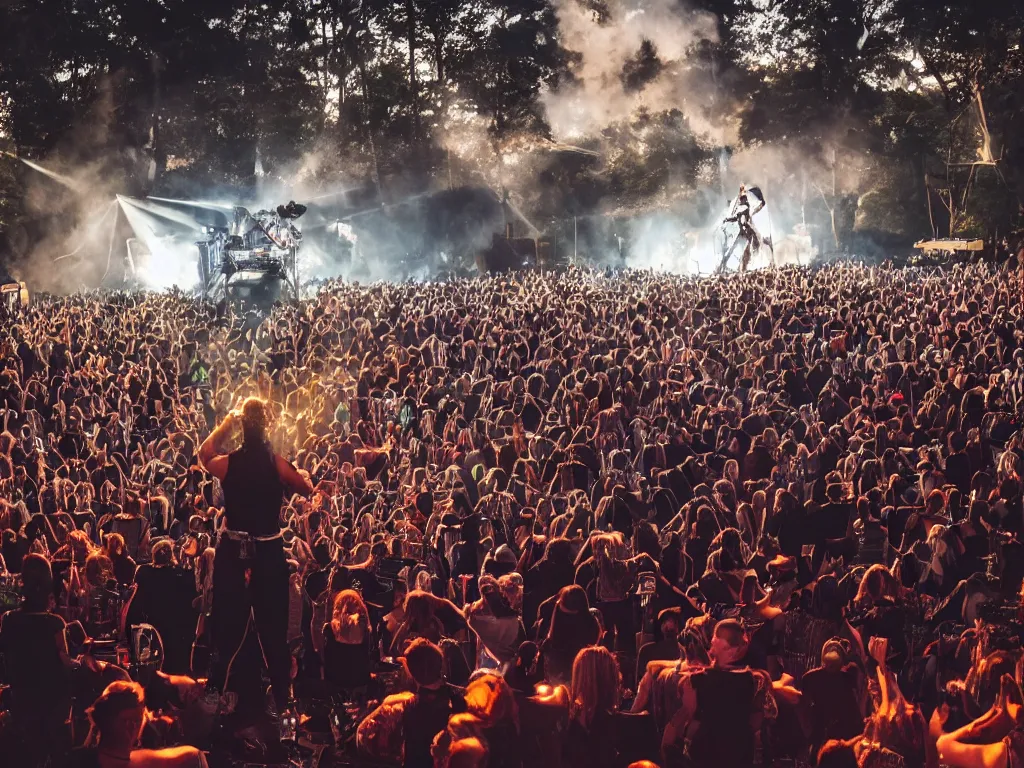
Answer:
(574, 519)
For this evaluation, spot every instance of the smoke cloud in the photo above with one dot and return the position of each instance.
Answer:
(633, 56)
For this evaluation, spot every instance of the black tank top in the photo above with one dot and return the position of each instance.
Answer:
(725, 701)
(253, 492)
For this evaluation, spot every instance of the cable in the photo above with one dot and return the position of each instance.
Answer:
(227, 673)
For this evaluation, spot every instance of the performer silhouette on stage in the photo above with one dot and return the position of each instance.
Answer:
(743, 216)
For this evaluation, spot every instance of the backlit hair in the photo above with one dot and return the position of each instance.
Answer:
(98, 569)
(465, 725)
(610, 545)
(80, 545)
(255, 417)
(163, 553)
(115, 699)
(348, 601)
(877, 584)
(595, 683)
(114, 544)
(491, 699)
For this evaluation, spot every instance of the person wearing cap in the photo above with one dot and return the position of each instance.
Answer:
(664, 646)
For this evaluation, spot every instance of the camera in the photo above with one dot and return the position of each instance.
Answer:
(646, 584)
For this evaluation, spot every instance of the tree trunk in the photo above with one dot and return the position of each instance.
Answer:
(369, 130)
(159, 158)
(410, 18)
(835, 198)
(439, 58)
(933, 70)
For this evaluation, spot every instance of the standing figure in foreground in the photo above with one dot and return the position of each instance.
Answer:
(250, 574)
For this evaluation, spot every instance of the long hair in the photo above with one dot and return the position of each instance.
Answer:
(465, 725)
(114, 544)
(983, 682)
(610, 555)
(115, 699)
(490, 698)
(467, 753)
(347, 603)
(79, 546)
(876, 585)
(595, 683)
(98, 569)
(571, 618)
(903, 721)
(419, 615)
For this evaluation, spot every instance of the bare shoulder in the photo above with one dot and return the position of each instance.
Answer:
(401, 699)
(170, 757)
(217, 466)
(657, 666)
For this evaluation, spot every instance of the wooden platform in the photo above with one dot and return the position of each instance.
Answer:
(949, 246)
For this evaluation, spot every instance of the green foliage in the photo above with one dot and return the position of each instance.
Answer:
(855, 98)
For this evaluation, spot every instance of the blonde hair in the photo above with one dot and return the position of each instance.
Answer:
(877, 584)
(78, 542)
(595, 683)
(348, 602)
(490, 698)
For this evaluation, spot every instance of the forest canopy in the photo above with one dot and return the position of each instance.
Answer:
(845, 112)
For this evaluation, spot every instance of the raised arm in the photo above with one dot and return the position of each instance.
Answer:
(212, 457)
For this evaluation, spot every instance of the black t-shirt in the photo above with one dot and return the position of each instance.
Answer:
(164, 598)
(958, 471)
(725, 701)
(792, 531)
(466, 561)
(833, 521)
(32, 663)
(426, 717)
(887, 620)
(359, 578)
(253, 491)
(831, 697)
(346, 665)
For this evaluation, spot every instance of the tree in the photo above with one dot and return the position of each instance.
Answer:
(516, 55)
(967, 49)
